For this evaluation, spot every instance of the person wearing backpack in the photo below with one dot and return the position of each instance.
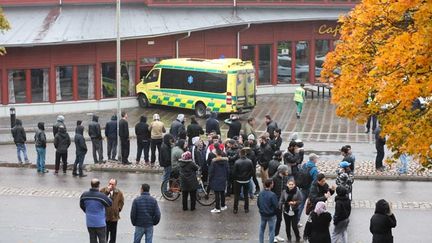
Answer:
(307, 174)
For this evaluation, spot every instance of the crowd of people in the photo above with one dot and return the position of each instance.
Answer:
(226, 166)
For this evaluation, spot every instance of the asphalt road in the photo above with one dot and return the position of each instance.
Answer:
(45, 208)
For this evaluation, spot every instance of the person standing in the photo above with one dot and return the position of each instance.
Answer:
(274, 164)
(157, 129)
(20, 138)
(212, 124)
(371, 119)
(289, 201)
(218, 176)
(320, 191)
(348, 156)
(93, 203)
(267, 204)
(242, 173)
(59, 122)
(61, 143)
(234, 126)
(124, 138)
(265, 155)
(113, 212)
(379, 145)
(232, 152)
(382, 222)
(40, 144)
(177, 126)
(299, 99)
(188, 180)
(292, 157)
(80, 151)
(94, 131)
(317, 227)
(280, 181)
(193, 130)
(143, 140)
(111, 135)
(165, 156)
(249, 128)
(307, 175)
(276, 143)
(144, 215)
(341, 215)
(271, 126)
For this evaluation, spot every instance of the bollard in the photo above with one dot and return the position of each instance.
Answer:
(12, 117)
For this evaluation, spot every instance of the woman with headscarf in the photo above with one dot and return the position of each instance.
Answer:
(318, 224)
(382, 222)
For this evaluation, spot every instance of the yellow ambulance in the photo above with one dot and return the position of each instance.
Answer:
(221, 85)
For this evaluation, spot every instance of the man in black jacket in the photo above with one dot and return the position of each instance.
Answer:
(111, 135)
(59, 122)
(143, 139)
(193, 130)
(276, 143)
(232, 152)
(20, 139)
(234, 126)
(124, 138)
(94, 131)
(320, 190)
(271, 126)
(274, 163)
(61, 143)
(165, 156)
(379, 145)
(212, 124)
(177, 127)
(80, 151)
(292, 157)
(341, 215)
(40, 144)
(242, 173)
(265, 155)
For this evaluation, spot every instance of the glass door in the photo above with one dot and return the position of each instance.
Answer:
(264, 64)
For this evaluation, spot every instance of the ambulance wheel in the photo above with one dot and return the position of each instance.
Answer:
(143, 101)
(200, 110)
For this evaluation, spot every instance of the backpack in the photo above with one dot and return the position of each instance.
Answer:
(304, 179)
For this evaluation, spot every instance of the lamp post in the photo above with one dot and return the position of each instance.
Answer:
(118, 76)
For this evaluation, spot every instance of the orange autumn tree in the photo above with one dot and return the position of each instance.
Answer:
(385, 49)
(4, 25)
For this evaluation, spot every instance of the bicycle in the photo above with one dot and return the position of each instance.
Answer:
(171, 191)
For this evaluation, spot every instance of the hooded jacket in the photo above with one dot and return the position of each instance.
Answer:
(123, 129)
(212, 124)
(111, 128)
(59, 122)
(62, 140)
(343, 205)
(272, 166)
(80, 144)
(271, 127)
(142, 130)
(40, 137)
(188, 175)
(265, 154)
(193, 130)
(176, 153)
(18, 133)
(381, 223)
(218, 174)
(165, 152)
(94, 129)
(177, 127)
(234, 128)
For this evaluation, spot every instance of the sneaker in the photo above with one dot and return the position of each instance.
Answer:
(214, 210)
(74, 174)
(299, 225)
(279, 239)
(82, 175)
(224, 208)
(45, 171)
(27, 162)
(20, 162)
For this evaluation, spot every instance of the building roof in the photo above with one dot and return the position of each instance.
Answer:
(53, 25)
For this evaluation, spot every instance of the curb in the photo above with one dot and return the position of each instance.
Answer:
(159, 171)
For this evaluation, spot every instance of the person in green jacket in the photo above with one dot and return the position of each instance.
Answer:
(299, 98)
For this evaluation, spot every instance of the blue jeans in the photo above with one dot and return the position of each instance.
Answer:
(271, 222)
(305, 194)
(166, 175)
(404, 158)
(21, 147)
(40, 161)
(140, 231)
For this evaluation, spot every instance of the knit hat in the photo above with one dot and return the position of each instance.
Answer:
(251, 137)
(320, 208)
(180, 117)
(60, 118)
(156, 117)
(186, 156)
(195, 140)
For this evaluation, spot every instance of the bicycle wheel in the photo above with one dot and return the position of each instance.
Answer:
(205, 198)
(170, 189)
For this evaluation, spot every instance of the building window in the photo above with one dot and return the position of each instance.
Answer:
(147, 63)
(128, 71)
(322, 47)
(284, 62)
(17, 86)
(85, 82)
(39, 85)
(64, 83)
(302, 62)
(264, 64)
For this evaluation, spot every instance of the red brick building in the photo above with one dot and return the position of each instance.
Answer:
(61, 53)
